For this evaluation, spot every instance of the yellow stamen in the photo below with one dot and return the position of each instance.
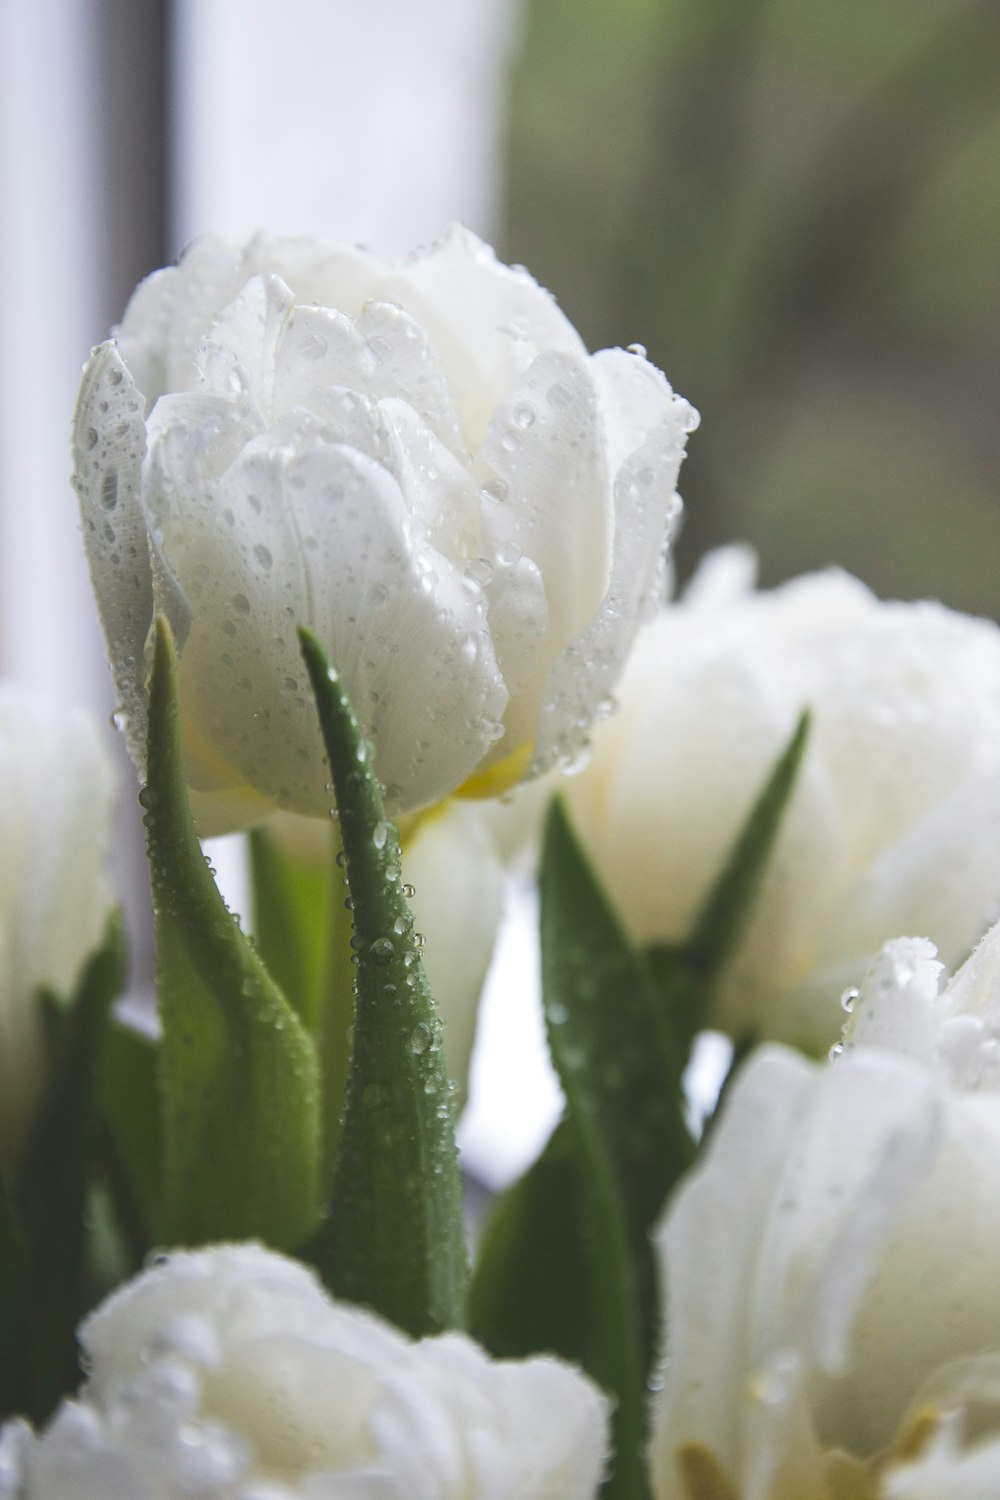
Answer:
(499, 777)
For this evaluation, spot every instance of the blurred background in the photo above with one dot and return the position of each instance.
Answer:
(794, 205)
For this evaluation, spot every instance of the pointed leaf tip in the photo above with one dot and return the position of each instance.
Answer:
(394, 1239)
(239, 1077)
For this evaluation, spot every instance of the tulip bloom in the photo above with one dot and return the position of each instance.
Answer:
(832, 1303)
(421, 463)
(894, 824)
(230, 1372)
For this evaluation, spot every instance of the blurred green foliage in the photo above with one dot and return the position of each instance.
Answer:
(796, 207)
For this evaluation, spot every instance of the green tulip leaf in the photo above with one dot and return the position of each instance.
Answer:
(239, 1077)
(303, 933)
(291, 901)
(128, 1098)
(15, 1388)
(588, 1203)
(54, 1177)
(685, 973)
(531, 1273)
(394, 1238)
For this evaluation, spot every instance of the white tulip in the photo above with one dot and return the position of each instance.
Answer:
(229, 1374)
(895, 822)
(421, 463)
(830, 1269)
(56, 793)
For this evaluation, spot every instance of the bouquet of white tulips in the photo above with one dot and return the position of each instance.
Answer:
(372, 546)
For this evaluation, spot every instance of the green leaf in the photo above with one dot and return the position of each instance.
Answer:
(238, 1072)
(291, 899)
(303, 933)
(54, 1175)
(15, 1388)
(622, 1079)
(566, 1263)
(394, 1239)
(531, 1279)
(684, 974)
(724, 916)
(128, 1097)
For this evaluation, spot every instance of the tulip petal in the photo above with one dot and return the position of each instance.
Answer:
(645, 509)
(109, 442)
(710, 1246)
(452, 863)
(169, 312)
(486, 320)
(238, 358)
(333, 527)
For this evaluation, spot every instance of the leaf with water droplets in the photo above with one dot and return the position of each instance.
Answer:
(394, 1238)
(238, 1072)
(622, 1079)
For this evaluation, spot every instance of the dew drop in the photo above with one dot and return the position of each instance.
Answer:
(836, 1051)
(524, 415)
(638, 349)
(383, 951)
(374, 1096)
(109, 490)
(420, 1038)
(381, 834)
(240, 603)
(263, 555)
(313, 347)
(849, 998)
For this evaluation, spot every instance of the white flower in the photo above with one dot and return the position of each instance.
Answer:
(421, 463)
(895, 822)
(229, 1374)
(830, 1269)
(56, 792)
(453, 866)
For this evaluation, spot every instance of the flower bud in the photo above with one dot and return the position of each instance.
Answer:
(419, 462)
